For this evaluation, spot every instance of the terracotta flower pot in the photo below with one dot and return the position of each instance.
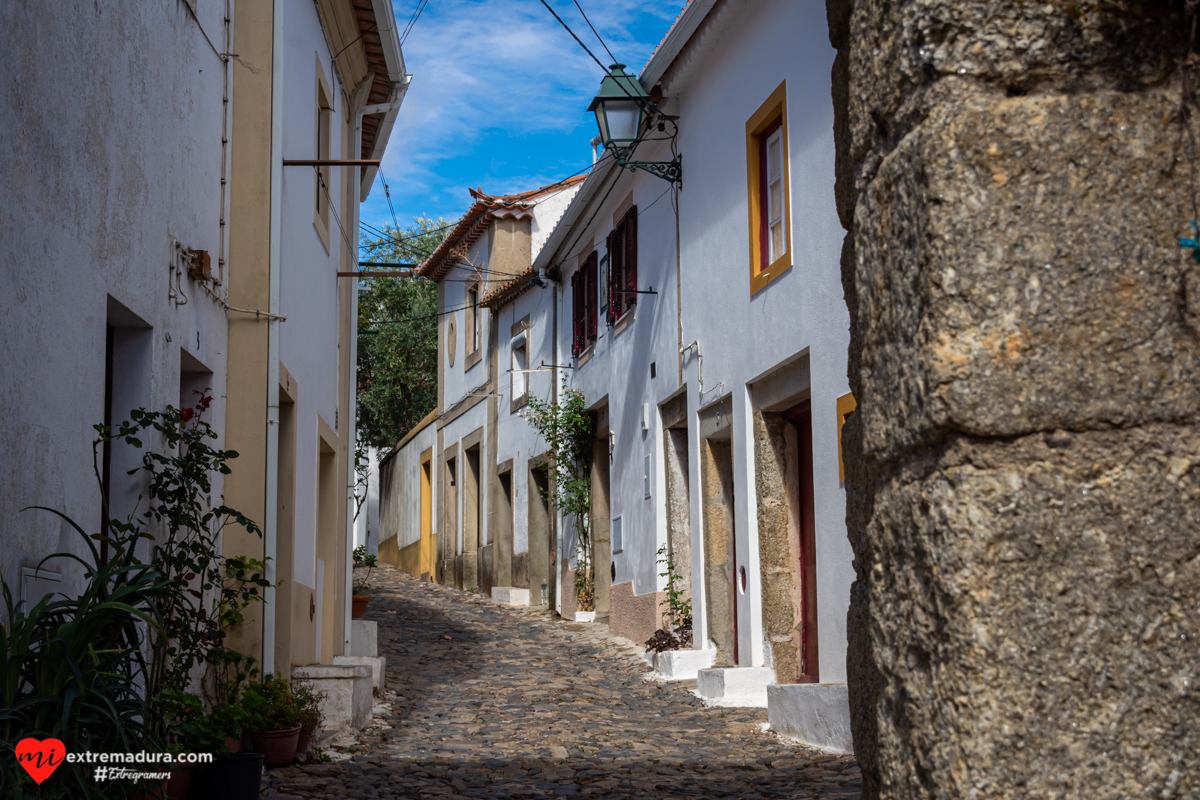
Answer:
(278, 748)
(231, 744)
(305, 739)
(360, 605)
(180, 783)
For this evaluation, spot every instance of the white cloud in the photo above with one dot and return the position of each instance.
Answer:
(487, 73)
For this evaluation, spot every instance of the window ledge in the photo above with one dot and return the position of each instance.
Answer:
(762, 279)
(517, 403)
(623, 322)
(585, 356)
(472, 358)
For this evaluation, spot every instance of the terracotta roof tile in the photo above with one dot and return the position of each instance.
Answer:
(474, 222)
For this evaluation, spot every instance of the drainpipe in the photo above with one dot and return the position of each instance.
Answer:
(699, 365)
(271, 516)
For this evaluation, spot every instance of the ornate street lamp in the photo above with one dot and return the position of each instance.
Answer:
(620, 108)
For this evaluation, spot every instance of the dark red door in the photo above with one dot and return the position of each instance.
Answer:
(807, 668)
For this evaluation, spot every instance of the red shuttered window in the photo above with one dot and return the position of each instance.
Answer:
(585, 304)
(622, 266)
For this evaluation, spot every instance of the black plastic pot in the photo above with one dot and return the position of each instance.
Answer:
(230, 776)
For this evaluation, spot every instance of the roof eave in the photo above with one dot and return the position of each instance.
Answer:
(689, 21)
(571, 216)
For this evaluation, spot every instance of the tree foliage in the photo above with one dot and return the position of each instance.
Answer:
(397, 343)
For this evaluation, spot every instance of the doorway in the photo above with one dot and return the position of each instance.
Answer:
(601, 519)
(799, 417)
(722, 575)
(541, 537)
(428, 549)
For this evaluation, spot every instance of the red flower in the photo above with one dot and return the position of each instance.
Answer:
(187, 414)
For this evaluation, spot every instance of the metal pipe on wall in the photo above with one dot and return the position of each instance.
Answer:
(270, 513)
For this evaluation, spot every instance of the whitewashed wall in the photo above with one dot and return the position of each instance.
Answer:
(618, 372)
(400, 490)
(112, 122)
(743, 338)
(308, 287)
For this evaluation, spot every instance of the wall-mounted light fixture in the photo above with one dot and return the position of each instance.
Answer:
(620, 107)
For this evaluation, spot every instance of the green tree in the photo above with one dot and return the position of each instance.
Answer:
(397, 343)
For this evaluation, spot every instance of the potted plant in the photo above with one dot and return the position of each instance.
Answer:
(231, 773)
(272, 720)
(362, 586)
(307, 702)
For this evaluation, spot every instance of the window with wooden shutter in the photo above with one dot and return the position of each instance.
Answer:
(615, 259)
(631, 277)
(577, 316)
(622, 266)
(591, 296)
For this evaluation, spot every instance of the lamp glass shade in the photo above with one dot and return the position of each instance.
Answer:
(619, 108)
(623, 118)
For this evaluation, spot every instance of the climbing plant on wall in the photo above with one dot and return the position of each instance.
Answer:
(568, 429)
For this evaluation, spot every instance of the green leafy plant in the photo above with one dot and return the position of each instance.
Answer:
(269, 705)
(676, 631)
(307, 701)
(73, 669)
(193, 730)
(212, 591)
(363, 559)
(568, 428)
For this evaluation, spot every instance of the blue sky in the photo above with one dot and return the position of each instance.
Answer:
(499, 97)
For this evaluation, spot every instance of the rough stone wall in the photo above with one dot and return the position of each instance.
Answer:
(1023, 350)
(720, 609)
(777, 483)
(635, 616)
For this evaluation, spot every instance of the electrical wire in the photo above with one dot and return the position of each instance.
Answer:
(333, 210)
(412, 21)
(593, 27)
(573, 36)
(401, 239)
(427, 316)
(388, 195)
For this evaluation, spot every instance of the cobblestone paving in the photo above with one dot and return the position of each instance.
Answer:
(499, 702)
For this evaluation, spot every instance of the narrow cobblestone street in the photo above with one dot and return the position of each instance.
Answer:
(514, 703)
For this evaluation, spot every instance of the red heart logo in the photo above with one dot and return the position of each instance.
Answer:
(40, 758)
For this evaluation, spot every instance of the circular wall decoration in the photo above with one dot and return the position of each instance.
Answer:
(451, 337)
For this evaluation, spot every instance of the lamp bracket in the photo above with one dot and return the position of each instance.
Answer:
(670, 171)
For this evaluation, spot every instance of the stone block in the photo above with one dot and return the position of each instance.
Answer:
(1031, 613)
(364, 638)
(635, 616)
(901, 53)
(510, 595)
(984, 305)
(682, 665)
(377, 664)
(815, 714)
(346, 694)
(735, 687)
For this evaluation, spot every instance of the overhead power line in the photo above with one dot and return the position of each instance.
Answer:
(400, 240)
(593, 27)
(573, 36)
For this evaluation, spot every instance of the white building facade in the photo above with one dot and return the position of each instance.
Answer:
(115, 201)
(705, 326)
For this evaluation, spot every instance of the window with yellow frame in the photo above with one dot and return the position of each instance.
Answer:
(767, 190)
